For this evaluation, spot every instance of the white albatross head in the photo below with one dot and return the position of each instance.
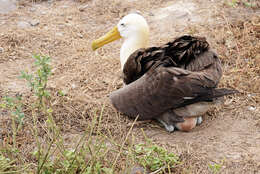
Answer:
(134, 29)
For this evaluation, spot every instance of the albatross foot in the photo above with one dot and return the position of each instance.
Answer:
(169, 128)
(169, 119)
(199, 120)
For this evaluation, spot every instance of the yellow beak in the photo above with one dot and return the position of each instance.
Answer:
(110, 36)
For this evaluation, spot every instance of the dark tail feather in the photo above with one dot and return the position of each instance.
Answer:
(223, 91)
(209, 96)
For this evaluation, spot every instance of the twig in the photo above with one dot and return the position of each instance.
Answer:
(120, 151)
(158, 170)
(238, 51)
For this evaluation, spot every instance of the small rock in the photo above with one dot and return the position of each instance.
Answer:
(80, 35)
(32, 9)
(2, 23)
(136, 170)
(73, 86)
(251, 108)
(234, 156)
(59, 34)
(133, 11)
(43, 12)
(34, 22)
(182, 15)
(65, 6)
(1, 50)
(82, 8)
(23, 24)
(68, 24)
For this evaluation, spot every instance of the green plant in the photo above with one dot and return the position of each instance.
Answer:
(215, 168)
(86, 158)
(38, 81)
(14, 105)
(91, 155)
(249, 4)
(8, 166)
(38, 84)
(5, 164)
(234, 3)
(154, 157)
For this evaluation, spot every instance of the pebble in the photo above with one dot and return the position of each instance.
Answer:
(251, 108)
(43, 12)
(1, 50)
(73, 86)
(23, 24)
(234, 156)
(80, 35)
(34, 22)
(182, 15)
(136, 170)
(82, 8)
(59, 34)
(33, 9)
(2, 22)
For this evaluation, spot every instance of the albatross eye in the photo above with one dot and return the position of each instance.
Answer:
(122, 24)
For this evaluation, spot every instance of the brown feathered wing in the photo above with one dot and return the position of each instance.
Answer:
(174, 75)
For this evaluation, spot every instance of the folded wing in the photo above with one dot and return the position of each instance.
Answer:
(177, 74)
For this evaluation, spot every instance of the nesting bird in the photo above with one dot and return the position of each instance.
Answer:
(175, 83)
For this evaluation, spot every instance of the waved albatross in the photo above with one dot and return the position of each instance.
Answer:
(174, 83)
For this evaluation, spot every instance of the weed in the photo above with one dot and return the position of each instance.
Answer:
(232, 3)
(38, 84)
(8, 166)
(5, 164)
(246, 3)
(215, 168)
(91, 154)
(85, 158)
(89, 157)
(154, 157)
(14, 105)
(38, 81)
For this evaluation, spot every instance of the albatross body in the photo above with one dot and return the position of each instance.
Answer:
(174, 83)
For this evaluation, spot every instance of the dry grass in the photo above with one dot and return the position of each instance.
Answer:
(240, 55)
(86, 78)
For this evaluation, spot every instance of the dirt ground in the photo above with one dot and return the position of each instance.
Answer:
(229, 135)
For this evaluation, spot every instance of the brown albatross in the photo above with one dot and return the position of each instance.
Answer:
(175, 83)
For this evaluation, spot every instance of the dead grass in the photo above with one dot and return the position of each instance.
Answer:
(241, 48)
(86, 78)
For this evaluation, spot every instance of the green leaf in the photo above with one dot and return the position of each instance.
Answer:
(49, 110)
(2, 105)
(107, 170)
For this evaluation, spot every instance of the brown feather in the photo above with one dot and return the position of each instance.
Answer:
(178, 53)
(172, 76)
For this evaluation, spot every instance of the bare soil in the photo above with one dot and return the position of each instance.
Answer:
(229, 135)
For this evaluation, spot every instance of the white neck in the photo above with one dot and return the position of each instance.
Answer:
(130, 45)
